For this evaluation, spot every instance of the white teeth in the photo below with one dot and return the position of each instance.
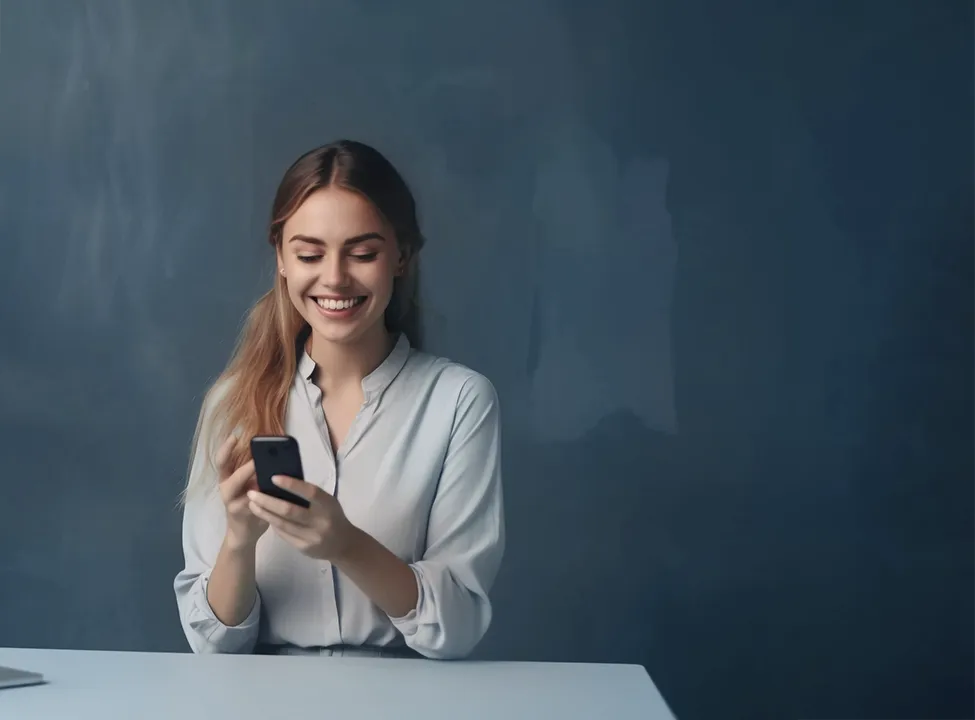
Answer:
(330, 304)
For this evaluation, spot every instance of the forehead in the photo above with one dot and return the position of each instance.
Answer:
(334, 214)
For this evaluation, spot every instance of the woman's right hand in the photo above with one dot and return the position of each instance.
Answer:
(244, 528)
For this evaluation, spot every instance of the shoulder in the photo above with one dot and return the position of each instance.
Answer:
(452, 381)
(217, 392)
(212, 420)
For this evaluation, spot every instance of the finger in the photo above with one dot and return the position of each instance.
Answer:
(299, 543)
(223, 456)
(299, 487)
(279, 523)
(280, 508)
(239, 479)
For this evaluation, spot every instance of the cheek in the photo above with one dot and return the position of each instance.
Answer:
(298, 276)
(297, 286)
(380, 276)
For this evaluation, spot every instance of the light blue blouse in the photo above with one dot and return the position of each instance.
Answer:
(420, 471)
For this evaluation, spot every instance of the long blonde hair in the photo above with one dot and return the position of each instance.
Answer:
(250, 397)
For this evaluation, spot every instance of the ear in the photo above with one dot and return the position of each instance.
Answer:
(403, 265)
(279, 261)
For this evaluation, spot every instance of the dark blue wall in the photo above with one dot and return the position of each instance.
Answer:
(717, 258)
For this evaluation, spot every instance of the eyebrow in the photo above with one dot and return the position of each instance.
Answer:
(354, 240)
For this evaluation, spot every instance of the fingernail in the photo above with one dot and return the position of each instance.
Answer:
(251, 494)
(277, 479)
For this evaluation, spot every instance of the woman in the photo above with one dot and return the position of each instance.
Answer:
(404, 533)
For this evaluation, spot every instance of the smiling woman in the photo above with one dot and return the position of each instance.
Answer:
(404, 531)
(338, 263)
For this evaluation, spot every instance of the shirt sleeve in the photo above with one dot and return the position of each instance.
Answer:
(204, 525)
(465, 534)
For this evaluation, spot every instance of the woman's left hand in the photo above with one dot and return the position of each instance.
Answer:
(320, 531)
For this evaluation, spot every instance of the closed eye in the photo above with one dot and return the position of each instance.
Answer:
(365, 257)
(309, 258)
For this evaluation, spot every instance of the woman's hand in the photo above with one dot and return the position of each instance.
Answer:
(320, 531)
(244, 529)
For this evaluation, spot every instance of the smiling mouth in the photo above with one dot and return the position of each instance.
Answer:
(343, 304)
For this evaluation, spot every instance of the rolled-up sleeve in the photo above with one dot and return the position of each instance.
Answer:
(465, 534)
(204, 525)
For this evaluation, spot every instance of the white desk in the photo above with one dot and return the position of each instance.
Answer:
(92, 685)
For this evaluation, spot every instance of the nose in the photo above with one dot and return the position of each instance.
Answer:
(335, 271)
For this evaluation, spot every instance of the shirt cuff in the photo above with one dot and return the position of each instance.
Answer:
(220, 634)
(408, 624)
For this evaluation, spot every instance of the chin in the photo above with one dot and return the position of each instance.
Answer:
(342, 327)
(337, 336)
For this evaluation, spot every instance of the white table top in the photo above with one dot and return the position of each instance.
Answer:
(94, 685)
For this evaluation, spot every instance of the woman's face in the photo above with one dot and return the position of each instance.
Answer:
(339, 258)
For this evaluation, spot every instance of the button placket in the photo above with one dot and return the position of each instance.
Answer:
(359, 423)
(329, 482)
(330, 608)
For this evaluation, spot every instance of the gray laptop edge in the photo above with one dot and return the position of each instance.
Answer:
(12, 677)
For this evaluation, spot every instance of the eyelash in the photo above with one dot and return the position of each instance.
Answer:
(363, 257)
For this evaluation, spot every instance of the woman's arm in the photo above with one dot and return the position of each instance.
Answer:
(384, 578)
(216, 593)
(232, 589)
(219, 606)
(441, 603)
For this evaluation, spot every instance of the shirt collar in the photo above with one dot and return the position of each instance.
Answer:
(376, 382)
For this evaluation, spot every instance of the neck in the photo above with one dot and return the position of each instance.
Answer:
(343, 364)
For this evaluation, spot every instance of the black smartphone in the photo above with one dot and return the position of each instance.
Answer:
(277, 455)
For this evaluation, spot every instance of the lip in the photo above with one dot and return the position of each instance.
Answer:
(343, 314)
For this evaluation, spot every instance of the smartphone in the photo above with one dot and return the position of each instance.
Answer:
(277, 455)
